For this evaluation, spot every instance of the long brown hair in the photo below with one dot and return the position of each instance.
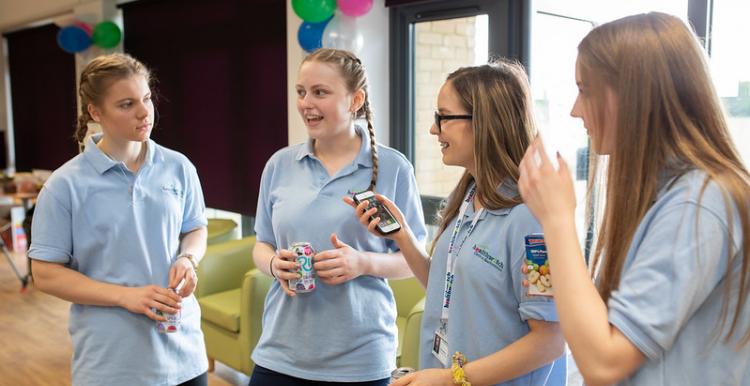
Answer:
(96, 78)
(355, 77)
(498, 97)
(667, 111)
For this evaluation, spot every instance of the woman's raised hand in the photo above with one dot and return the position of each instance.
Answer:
(547, 192)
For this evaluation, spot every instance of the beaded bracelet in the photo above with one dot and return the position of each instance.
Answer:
(457, 368)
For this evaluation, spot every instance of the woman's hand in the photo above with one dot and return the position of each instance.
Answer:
(341, 264)
(283, 267)
(182, 269)
(143, 300)
(428, 377)
(547, 192)
(364, 216)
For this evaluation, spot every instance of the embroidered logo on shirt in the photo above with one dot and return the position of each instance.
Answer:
(482, 252)
(353, 192)
(172, 188)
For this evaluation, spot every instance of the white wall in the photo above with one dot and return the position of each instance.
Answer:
(374, 55)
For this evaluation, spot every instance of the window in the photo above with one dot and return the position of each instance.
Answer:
(730, 65)
(440, 47)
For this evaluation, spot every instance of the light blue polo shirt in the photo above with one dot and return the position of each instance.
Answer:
(489, 306)
(342, 333)
(672, 287)
(100, 219)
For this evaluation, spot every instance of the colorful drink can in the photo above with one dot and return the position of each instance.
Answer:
(172, 322)
(538, 273)
(305, 281)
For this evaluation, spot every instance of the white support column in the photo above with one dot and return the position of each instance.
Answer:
(6, 120)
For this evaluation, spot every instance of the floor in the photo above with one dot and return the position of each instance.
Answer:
(35, 347)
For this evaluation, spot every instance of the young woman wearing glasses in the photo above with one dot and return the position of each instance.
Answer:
(476, 304)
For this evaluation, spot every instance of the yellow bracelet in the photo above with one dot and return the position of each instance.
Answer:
(457, 368)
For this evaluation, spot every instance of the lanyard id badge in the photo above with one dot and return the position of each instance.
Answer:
(440, 346)
(440, 339)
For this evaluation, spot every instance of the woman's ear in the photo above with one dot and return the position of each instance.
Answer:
(93, 112)
(358, 100)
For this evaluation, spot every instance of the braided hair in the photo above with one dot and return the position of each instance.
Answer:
(98, 75)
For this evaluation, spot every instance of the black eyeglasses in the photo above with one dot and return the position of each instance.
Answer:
(439, 118)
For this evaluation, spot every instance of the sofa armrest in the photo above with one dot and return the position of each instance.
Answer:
(407, 293)
(255, 286)
(220, 230)
(410, 348)
(224, 265)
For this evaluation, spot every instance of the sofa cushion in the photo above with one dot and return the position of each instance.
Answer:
(222, 309)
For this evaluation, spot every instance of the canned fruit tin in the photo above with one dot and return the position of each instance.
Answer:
(538, 273)
(400, 372)
(305, 281)
(172, 322)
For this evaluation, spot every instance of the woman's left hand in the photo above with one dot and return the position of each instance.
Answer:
(183, 269)
(428, 377)
(547, 192)
(339, 265)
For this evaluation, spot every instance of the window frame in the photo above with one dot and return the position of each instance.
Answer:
(509, 25)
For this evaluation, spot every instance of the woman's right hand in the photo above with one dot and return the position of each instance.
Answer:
(143, 300)
(282, 264)
(364, 215)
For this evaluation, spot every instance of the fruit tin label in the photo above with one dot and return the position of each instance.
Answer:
(538, 273)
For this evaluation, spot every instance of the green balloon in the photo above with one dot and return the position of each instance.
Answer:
(106, 34)
(314, 11)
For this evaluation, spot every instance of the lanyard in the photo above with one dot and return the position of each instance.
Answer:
(453, 250)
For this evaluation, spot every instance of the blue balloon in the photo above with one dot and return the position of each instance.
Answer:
(310, 35)
(73, 39)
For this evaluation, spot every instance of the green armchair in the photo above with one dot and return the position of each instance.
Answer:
(409, 295)
(220, 230)
(231, 293)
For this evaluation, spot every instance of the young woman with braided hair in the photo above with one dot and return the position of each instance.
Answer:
(116, 229)
(343, 331)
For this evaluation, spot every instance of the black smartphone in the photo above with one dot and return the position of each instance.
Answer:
(388, 223)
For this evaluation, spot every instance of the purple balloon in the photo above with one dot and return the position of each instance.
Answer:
(354, 8)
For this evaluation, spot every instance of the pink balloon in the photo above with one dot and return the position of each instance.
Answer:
(86, 27)
(354, 8)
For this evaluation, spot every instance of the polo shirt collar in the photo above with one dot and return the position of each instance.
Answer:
(508, 188)
(102, 162)
(363, 157)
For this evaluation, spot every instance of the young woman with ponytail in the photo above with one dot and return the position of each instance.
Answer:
(344, 331)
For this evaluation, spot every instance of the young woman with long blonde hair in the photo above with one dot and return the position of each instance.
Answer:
(668, 303)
